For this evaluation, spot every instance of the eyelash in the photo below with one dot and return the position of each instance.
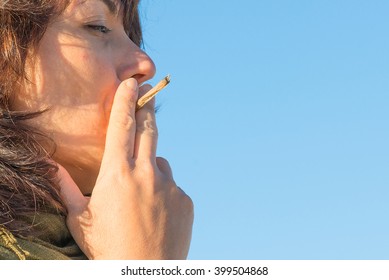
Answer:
(99, 28)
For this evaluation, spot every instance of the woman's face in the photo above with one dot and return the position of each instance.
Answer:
(81, 60)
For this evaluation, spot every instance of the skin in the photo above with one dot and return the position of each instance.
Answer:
(89, 77)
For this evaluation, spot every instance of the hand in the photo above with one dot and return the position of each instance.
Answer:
(136, 211)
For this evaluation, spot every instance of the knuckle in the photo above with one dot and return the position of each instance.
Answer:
(188, 206)
(148, 127)
(189, 203)
(162, 161)
(164, 167)
(186, 201)
(126, 122)
(146, 170)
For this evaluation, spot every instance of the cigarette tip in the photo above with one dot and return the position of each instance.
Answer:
(167, 78)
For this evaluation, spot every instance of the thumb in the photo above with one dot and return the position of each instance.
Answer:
(76, 204)
(121, 129)
(71, 195)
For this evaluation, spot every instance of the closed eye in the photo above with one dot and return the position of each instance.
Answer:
(99, 28)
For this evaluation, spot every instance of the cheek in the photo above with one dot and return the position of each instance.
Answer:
(89, 77)
(97, 85)
(85, 56)
(79, 81)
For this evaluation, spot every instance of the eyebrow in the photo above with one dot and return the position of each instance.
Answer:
(112, 7)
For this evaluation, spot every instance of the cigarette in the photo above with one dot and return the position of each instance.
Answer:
(152, 92)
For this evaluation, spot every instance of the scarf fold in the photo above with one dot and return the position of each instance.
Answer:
(51, 241)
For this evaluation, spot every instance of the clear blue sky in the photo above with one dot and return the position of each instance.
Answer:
(276, 123)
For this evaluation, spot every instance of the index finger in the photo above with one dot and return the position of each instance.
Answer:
(122, 126)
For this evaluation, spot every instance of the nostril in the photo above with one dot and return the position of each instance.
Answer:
(139, 77)
(146, 71)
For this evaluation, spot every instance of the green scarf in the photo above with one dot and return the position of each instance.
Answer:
(53, 241)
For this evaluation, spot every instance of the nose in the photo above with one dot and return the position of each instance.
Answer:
(135, 63)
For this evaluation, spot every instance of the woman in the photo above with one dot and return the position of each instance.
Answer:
(71, 72)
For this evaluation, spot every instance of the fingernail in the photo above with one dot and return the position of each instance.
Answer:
(132, 84)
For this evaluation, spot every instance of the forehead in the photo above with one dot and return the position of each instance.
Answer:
(112, 5)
